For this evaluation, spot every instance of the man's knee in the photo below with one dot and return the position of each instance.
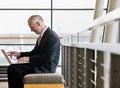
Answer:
(11, 68)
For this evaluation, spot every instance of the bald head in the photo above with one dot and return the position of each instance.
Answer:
(36, 23)
(36, 18)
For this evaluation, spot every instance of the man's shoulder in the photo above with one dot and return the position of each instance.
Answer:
(51, 32)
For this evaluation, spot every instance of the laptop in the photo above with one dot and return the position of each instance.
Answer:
(10, 60)
(6, 56)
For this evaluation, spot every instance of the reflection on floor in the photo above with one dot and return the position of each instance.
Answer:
(3, 84)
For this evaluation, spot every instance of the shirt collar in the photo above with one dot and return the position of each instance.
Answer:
(43, 31)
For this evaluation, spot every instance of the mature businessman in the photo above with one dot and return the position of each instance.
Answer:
(43, 58)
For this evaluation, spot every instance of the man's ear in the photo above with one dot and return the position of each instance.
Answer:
(38, 23)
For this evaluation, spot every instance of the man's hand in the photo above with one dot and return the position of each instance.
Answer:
(13, 53)
(23, 60)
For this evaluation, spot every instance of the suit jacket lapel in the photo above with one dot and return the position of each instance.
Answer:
(44, 36)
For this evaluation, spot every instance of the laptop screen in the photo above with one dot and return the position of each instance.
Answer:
(4, 59)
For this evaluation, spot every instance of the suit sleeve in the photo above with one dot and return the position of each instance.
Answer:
(30, 53)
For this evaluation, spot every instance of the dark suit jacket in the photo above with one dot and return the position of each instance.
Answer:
(45, 56)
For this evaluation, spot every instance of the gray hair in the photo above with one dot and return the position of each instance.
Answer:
(36, 18)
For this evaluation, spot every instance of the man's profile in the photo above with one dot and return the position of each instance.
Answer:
(43, 58)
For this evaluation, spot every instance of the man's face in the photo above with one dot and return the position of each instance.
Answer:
(35, 27)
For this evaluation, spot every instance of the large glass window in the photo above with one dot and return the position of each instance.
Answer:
(15, 21)
(25, 3)
(73, 4)
(14, 14)
(68, 22)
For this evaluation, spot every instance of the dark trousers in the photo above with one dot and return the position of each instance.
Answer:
(16, 72)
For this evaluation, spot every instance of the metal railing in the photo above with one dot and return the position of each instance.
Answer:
(89, 64)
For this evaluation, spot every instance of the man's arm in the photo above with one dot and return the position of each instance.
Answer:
(51, 46)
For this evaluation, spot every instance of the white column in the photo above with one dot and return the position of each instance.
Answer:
(112, 30)
(97, 34)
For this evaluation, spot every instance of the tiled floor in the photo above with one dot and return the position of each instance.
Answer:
(3, 84)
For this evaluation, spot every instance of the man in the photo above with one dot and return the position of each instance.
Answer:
(42, 59)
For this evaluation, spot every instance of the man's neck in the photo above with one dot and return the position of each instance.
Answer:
(45, 27)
